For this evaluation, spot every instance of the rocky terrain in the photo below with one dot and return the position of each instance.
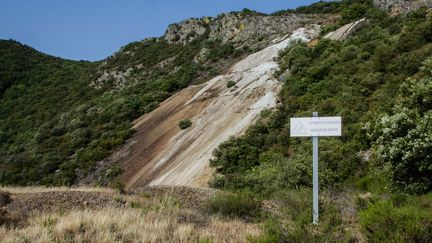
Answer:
(395, 7)
(241, 28)
(347, 30)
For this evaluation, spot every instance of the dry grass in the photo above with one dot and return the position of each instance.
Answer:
(37, 189)
(142, 219)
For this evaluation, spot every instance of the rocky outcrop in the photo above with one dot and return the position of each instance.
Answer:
(238, 28)
(347, 30)
(395, 7)
(246, 32)
(118, 78)
(185, 31)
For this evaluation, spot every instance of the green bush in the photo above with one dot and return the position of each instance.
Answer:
(293, 221)
(5, 198)
(234, 205)
(185, 123)
(411, 221)
(401, 138)
(231, 83)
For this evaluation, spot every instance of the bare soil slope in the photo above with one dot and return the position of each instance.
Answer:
(162, 154)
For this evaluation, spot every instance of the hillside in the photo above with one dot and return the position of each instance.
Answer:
(59, 117)
(374, 176)
(160, 153)
(208, 104)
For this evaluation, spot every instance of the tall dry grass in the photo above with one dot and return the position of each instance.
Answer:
(143, 220)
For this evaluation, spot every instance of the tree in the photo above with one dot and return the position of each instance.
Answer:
(402, 140)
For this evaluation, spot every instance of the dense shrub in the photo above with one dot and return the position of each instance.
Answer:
(231, 83)
(396, 220)
(402, 138)
(234, 205)
(5, 198)
(293, 221)
(185, 123)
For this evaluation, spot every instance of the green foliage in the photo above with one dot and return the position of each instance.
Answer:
(293, 221)
(354, 12)
(185, 123)
(224, 51)
(231, 83)
(5, 198)
(321, 7)
(112, 172)
(350, 10)
(358, 79)
(400, 219)
(54, 125)
(401, 137)
(234, 205)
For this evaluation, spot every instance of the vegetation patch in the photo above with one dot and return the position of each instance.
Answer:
(231, 83)
(58, 119)
(400, 219)
(234, 205)
(185, 123)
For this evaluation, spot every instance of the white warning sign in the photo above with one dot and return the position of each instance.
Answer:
(316, 126)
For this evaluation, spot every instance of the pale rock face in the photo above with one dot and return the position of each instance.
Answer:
(252, 30)
(185, 31)
(119, 78)
(201, 56)
(347, 30)
(237, 28)
(395, 7)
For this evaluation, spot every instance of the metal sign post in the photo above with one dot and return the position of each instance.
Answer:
(315, 175)
(315, 127)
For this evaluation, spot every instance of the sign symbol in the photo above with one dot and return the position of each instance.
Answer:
(299, 128)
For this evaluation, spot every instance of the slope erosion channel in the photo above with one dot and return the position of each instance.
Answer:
(160, 153)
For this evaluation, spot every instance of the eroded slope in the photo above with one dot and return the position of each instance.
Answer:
(162, 154)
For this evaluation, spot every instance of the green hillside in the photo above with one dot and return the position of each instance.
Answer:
(379, 81)
(361, 79)
(54, 124)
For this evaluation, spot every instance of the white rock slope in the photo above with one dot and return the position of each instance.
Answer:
(180, 157)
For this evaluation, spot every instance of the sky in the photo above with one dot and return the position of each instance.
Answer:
(94, 29)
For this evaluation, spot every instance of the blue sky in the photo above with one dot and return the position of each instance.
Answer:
(94, 29)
